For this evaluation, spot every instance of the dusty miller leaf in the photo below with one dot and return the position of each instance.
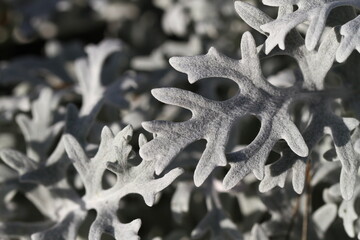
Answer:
(40, 132)
(113, 154)
(314, 66)
(314, 11)
(212, 120)
(350, 41)
(93, 91)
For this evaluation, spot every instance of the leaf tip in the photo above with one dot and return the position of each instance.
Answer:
(142, 140)
(157, 93)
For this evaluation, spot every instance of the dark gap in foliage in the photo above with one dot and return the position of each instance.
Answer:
(357, 206)
(109, 114)
(340, 15)
(85, 225)
(273, 157)
(6, 90)
(26, 208)
(156, 220)
(11, 50)
(266, 216)
(345, 74)
(259, 38)
(132, 202)
(91, 30)
(106, 236)
(186, 85)
(317, 195)
(54, 145)
(243, 132)
(197, 209)
(332, 82)
(178, 114)
(183, 115)
(108, 180)
(337, 231)
(77, 101)
(281, 71)
(226, 89)
(269, 10)
(74, 180)
(231, 207)
(218, 89)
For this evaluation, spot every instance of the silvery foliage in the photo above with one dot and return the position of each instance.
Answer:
(259, 98)
(42, 177)
(113, 154)
(212, 120)
(316, 12)
(73, 112)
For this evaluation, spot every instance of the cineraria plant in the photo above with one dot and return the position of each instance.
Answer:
(264, 143)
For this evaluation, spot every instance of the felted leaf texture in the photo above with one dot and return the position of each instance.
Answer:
(348, 209)
(350, 41)
(113, 155)
(305, 104)
(212, 120)
(314, 65)
(323, 122)
(316, 12)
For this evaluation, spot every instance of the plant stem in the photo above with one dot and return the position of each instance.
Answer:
(304, 234)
